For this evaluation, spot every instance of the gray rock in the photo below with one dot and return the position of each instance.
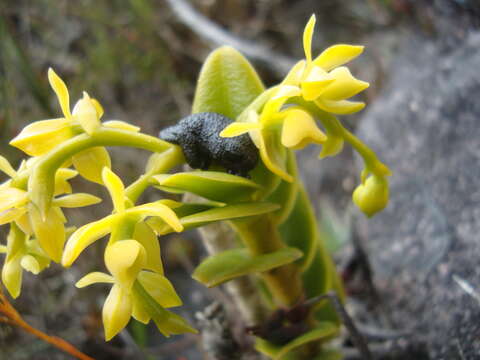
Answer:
(425, 247)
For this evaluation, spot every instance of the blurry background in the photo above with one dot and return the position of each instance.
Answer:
(140, 59)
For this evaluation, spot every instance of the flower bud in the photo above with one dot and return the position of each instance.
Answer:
(372, 195)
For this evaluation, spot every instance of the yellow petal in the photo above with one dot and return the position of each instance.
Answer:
(23, 223)
(12, 197)
(116, 311)
(337, 55)
(332, 146)
(61, 90)
(273, 154)
(12, 276)
(341, 107)
(90, 163)
(307, 38)
(299, 129)
(239, 128)
(139, 312)
(62, 186)
(316, 81)
(6, 167)
(50, 232)
(158, 209)
(147, 237)
(85, 236)
(124, 260)
(122, 125)
(12, 214)
(31, 264)
(98, 107)
(76, 200)
(94, 278)
(344, 86)
(42, 136)
(295, 74)
(85, 113)
(3, 249)
(116, 189)
(273, 105)
(159, 288)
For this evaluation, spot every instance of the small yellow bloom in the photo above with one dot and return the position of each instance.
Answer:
(22, 254)
(124, 260)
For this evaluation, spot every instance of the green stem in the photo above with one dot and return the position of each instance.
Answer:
(169, 159)
(260, 235)
(42, 180)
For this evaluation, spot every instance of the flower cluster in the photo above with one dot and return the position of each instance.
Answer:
(314, 89)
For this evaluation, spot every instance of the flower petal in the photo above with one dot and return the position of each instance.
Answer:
(239, 128)
(116, 189)
(90, 163)
(12, 276)
(62, 186)
(139, 311)
(94, 278)
(3, 249)
(160, 210)
(337, 55)
(98, 107)
(122, 125)
(31, 264)
(159, 288)
(307, 38)
(124, 259)
(61, 90)
(344, 86)
(117, 311)
(6, 167)
(341, 107)
(41, 136)
(147, 237)
(300, 129)
(85, 236)
(316, 81)
(50, 232)
(86, 114)
(295, 74)
(273, 154)
(273, 105)
(12, 214)
(12, 197)
(76, 200)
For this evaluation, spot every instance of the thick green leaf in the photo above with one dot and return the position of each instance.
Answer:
(212, 185)
(228, 212)
(230, 264)
(227, 83)
(300, 229)
(276, 352)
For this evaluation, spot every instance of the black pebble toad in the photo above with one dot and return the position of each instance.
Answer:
(197, 134)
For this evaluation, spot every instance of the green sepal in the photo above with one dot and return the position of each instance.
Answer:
(300, 229)
(168, 323)
(212, 185)
(228, 212)
(227, 83)
(276, 352)
(231, 264)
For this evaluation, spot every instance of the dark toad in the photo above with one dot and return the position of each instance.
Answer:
(197, 134)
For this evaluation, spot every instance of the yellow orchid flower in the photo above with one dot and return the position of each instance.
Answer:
(22, 254)
(124, 260)
(371, 196)
(16, 207)
(123, 212)
(323, 79)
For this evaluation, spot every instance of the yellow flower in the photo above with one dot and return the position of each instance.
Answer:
(323, 79)
(124, 260)
(123, 212)
(22, 254)
(16, 207)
